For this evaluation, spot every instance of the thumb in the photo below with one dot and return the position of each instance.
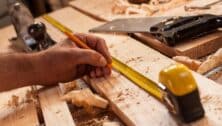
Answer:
(90, 57)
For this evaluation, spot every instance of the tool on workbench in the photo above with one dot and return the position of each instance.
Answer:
(169, 30)
(31, 36)
(178, 86)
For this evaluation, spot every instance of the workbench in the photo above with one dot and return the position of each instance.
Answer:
(132, 105)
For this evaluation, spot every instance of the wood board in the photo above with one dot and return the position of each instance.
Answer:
(55, 111)
(130, 103)
(102, 10)
(193, 48)
(180, 11)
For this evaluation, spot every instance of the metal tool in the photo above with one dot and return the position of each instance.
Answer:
(31, 35)
(169, 30)
(176, 90)
(129, 25)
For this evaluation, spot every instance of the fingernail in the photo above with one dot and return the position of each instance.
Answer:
(103, 61)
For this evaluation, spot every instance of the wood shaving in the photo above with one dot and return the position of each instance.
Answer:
(123, 7)
(212, 61)
(187, 61)
(67, 87)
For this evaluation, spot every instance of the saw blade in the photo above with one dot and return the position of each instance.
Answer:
(129, 25)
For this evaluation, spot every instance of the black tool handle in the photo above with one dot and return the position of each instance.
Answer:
(176, 30)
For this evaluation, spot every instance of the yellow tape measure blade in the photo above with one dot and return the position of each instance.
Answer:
(140, 80)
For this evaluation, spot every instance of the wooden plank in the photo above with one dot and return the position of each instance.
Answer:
(193, 48)
(25, 114)
(55, 111)
(130, 103)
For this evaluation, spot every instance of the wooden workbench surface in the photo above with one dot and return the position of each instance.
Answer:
(130, 103)
(194, 48)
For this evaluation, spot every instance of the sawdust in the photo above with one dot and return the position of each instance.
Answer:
(127, 94)
(14, 101)
(147, 70)
(134, 59)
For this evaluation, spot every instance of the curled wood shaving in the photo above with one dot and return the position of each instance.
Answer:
(147, 9)
(187, 61)
(67, 87)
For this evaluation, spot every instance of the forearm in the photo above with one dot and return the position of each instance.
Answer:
(18, 70)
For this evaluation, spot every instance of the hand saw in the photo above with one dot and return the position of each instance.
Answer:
(169, 30)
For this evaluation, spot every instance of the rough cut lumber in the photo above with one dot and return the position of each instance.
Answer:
(193, 48)
(134, 106)
(55, 111)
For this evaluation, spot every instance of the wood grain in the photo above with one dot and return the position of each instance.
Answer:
(130, 103)
(55, 111)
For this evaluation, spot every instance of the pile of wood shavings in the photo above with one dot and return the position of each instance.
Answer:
(16, 101)
(125, 8)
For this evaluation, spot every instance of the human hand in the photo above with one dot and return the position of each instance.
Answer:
(66, 61)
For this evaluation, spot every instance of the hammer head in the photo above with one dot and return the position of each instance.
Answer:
(182, 92)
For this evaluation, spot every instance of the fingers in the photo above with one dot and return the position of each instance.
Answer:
(100, 72)
(90, 57)
(96, 43)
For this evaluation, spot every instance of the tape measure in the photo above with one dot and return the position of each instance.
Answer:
(139, 79)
